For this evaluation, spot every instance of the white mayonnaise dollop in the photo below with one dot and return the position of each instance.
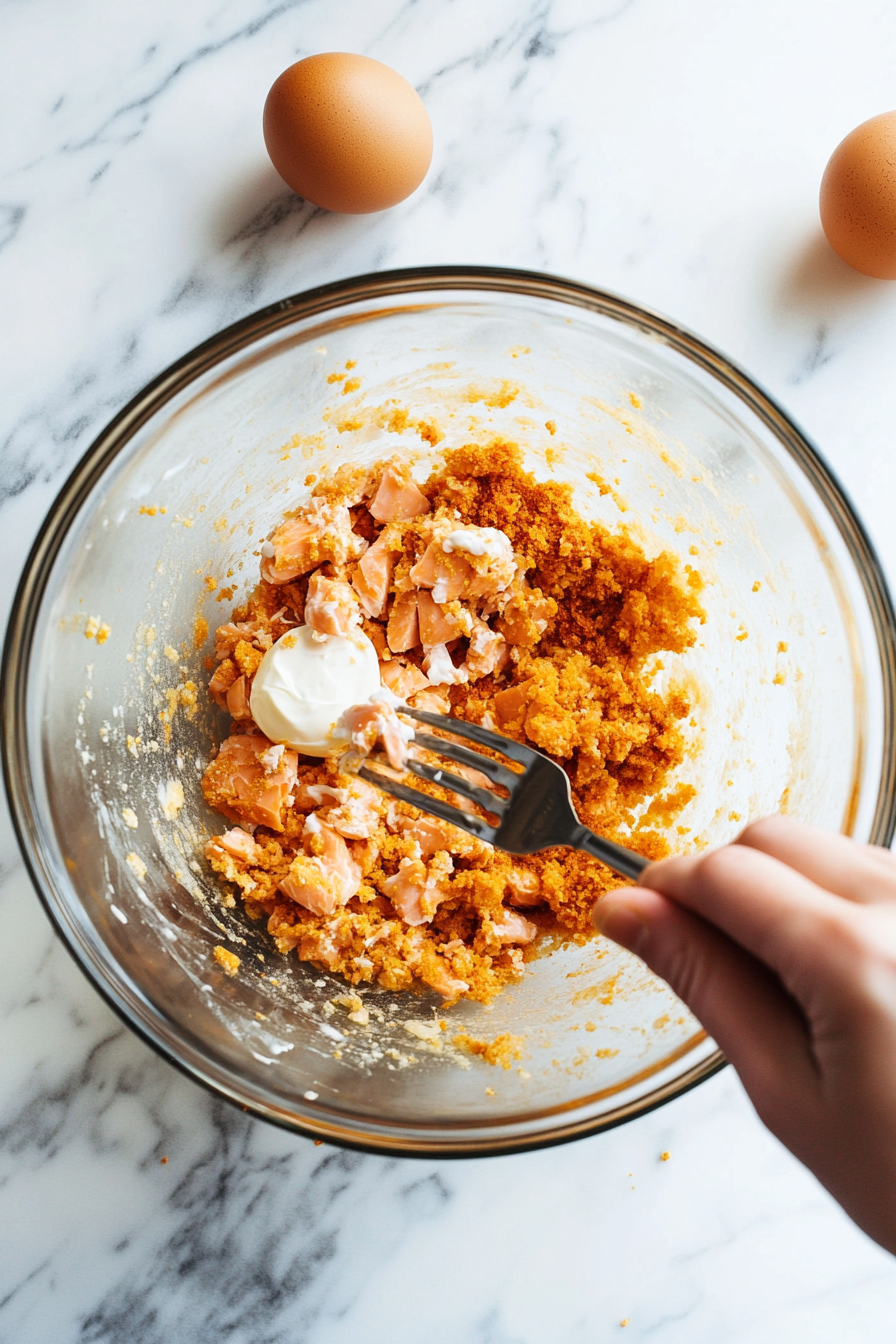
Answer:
(304, 685)
(489, 541)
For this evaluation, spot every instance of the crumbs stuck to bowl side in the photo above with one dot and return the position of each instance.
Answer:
(160, 530)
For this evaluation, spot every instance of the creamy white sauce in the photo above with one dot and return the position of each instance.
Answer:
(305, 684)
(490, 541)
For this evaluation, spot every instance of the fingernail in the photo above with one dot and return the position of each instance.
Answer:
(619, 922)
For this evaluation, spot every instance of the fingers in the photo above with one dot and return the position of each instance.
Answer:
(741, 1005)
(776, 913)
(865, 874)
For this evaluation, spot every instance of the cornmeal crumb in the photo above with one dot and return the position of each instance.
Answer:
(136, 865)
(664, 1157)
(228, 961)
(502, 1050)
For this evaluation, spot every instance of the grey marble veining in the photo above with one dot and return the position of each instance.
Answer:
(668, 151)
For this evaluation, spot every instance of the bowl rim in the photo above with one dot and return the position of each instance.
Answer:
(229, 341)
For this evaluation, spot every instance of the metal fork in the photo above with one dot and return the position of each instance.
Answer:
(537, 812)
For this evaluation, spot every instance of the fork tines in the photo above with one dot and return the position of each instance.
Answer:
(500, 775)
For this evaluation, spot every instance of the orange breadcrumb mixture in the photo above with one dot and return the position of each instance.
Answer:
(550, 637)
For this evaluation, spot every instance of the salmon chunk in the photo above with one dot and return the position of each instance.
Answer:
(331, 607)
(487, 652)
(510, 704)
(524, 887)
(324, 532)
(526, 616)
(449, 576)
(369, 723)
(225, 675)
(227, 636)
(237, 784)
(514, 928)
(357, 814)
(373, 577)
(465, 562)
(325, 876)
(437, 626)
(237, 843)
(441, 670)
(402, 679)
(433, 835)
(416, 890)
(238, 700)
(397, 498)
(403, 630)
(437, 973)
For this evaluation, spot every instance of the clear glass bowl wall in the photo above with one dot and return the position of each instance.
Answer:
(791, 680)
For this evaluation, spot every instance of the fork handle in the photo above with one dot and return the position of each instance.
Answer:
(623, 861)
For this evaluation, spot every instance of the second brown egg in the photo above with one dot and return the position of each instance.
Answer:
(858, 198)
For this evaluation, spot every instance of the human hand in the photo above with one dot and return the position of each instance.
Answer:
(784, 946)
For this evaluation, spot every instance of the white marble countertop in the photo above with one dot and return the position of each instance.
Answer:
(670, 151)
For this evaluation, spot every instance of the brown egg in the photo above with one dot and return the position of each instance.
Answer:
(347, 133)
(858, 198)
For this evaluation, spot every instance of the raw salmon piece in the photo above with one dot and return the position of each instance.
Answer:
(368, 723)
(526, 617)
(436, 625)
(320, 945)
(441, 670)
(433, 835)
(429, 833)
(403, 630)
(323, 532)
(363, 724)
(489, 552)
(524, 888)
(373, 577)
(514, 928)
(237, 843)
(325, 879)
(510, 704)
(310, 796)
(331, 607)
(397, 498)
(238, 700)
(221, 682)
(358, 815)
(237, 785)
(465, 562)
(448, 575)
(436, 700)
(437, 974)
(415, 892)
(402, 679)
(487, 652)
(229, 635)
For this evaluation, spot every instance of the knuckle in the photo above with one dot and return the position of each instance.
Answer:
(763, 832)
(723, 866)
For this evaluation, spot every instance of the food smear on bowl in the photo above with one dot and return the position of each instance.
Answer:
(484, 594)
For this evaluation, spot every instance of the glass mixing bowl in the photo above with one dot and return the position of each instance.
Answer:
(792, 680)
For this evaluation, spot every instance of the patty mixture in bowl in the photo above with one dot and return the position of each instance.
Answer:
(479, 592)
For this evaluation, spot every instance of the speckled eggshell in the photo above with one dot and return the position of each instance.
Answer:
(347, 133)
(858, 198)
